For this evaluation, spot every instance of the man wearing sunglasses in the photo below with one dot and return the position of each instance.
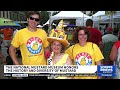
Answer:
(32, 42)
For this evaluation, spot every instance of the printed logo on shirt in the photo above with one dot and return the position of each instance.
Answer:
(34, 45)
(83, 58)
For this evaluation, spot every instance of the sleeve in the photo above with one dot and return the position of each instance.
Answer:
(117, 44)
(70, 52)
(16, 40)
(45, 42)
(2, 30)
(98, 56)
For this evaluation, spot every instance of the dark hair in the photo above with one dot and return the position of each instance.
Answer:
(75, 37)
(29, 13)
(89, 22)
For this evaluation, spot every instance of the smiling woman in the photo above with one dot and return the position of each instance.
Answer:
(84, 52)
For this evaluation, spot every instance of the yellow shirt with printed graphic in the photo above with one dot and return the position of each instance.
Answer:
(32, 46)
(86, 55)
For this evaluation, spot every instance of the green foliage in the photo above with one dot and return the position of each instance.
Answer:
(44, 17)
(54, 13)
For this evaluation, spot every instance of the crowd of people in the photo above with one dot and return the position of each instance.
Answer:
(40, 48)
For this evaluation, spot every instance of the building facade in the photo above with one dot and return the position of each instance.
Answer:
(13, 15)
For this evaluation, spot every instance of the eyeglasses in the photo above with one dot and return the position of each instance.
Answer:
(58, 45)
(36, 19)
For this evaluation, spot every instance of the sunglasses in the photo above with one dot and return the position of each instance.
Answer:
(36, 19)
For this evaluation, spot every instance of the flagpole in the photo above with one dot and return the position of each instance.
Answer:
(112, 21)
(99, 23)
(49, 22)
(92, 18)
(83, 19)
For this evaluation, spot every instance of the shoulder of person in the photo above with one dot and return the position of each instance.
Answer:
(90, 43)
(117, 43)
(72, 46)
(66, 54)
(19, 31)
(23, 29)
(93, 44)
(41, 30)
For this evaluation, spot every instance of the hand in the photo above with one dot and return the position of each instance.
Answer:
(47, 54)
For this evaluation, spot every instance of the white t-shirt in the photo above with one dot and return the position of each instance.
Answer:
(14, 32)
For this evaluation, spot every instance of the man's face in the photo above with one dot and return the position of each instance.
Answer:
(33, 20)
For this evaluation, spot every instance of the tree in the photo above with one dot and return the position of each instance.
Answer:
(44, 17)
(54, 13)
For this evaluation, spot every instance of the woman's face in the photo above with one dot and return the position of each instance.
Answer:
(33, 20)
(56, 46)
(82, 37)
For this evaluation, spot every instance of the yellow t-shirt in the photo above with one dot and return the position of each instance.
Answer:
(87, 55)
(32, 46)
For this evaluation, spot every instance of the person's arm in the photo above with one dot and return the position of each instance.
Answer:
(69, 61)
(99, 35)
(101, 46)
(98, 56)
(47, 52)
(1, 31)
(113, 53)
(3, 59)
(13, 55)
(99, 63)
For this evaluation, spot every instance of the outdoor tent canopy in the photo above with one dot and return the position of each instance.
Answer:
(100, 15)
(7, 23)
(78, 15)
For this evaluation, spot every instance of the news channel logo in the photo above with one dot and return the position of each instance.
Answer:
(106, 70)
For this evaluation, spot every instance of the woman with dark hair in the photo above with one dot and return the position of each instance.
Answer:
(84, 52)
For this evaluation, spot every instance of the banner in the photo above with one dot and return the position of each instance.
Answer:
(49, 69)
(67, 70)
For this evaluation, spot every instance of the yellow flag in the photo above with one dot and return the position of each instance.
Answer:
(60, 25)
